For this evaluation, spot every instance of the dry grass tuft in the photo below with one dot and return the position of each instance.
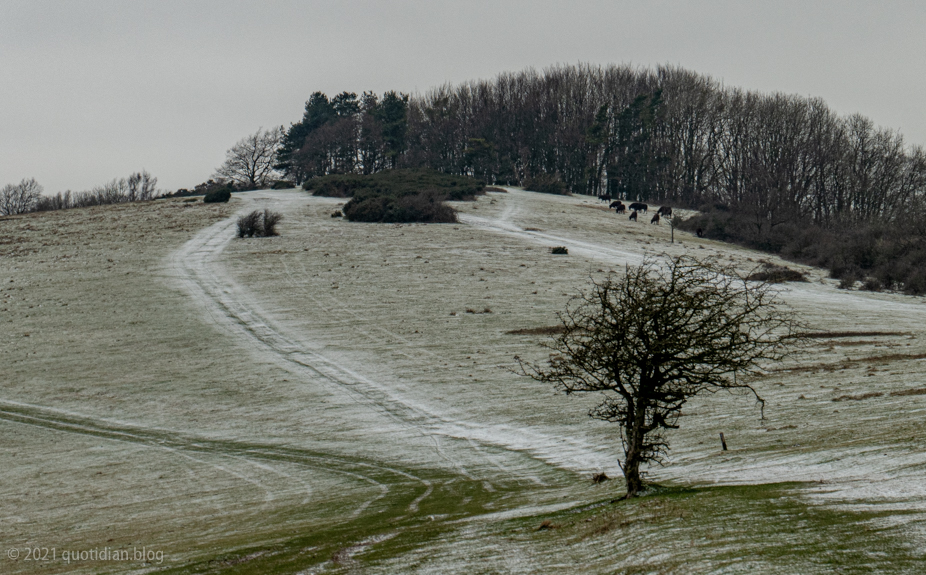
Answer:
(918, 391)
(858, 397)
(549, 330)
(547, 524)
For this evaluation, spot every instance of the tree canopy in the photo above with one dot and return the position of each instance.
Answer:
(249, 163)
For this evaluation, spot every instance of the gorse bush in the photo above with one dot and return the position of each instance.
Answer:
(258, 224)
(396, 183)
(425, 207)
(218, 196)
(398, 196)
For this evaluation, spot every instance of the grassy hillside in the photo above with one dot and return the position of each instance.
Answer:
(340, 398)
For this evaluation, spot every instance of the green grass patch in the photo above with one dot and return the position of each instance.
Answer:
(764, 528)
(389, 528)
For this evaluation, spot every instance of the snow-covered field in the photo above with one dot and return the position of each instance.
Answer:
(343, 397)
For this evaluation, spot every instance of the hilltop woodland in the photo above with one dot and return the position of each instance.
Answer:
(775, 172)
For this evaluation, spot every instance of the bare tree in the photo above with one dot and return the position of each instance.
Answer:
(658, 336)
(21, 198)
(142, 187)
(250, 162)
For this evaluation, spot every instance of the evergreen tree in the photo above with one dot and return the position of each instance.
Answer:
(393, 115)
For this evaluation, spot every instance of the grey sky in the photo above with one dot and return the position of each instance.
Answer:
(93, 90)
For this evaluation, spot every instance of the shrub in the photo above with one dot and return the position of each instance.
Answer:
(214, 186)
(772, 273)
(872, 284)
(425, 207)
(398, 196)
(248, 225)
(259, 224)
(559, 250)
(282, 185)
(881, 255)
(270, 221)
(396, 183)
(546, 184)
(218, 196)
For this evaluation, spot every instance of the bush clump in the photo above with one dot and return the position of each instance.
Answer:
(887, 255)
(282, 185)
(216, 197)
(426, 207)
(398, 196)
(559, 250)
(258, 224)
(546, 184)
(775, 274)
(401, 182)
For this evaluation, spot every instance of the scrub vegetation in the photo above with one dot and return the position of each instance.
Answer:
(398, 196)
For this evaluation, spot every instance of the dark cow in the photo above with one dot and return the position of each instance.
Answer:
(639, 207)
(665, 211)
(619, 206)
(633, 216)
(655, 219)
(700, 233)
(604, 198)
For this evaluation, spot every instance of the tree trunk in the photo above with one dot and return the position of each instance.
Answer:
(633, 457)
(632, 474)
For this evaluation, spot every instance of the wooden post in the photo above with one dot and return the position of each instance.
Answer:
(723, 442)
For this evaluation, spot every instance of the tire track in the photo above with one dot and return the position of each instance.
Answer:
(379, 476)
(197, 268)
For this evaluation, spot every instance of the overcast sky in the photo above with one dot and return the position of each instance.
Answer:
(91, 90)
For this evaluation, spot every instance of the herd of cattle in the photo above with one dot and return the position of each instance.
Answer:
(635, 208)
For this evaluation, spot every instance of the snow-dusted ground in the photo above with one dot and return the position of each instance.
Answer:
(312, 378)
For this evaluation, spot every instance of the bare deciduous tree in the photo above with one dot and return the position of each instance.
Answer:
(250, 162)
(20, 198)
(658, 336)
(142, 187)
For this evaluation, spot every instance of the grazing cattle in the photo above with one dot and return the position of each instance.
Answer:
(655, 219)
(700, 233)
(665, 211)
(604, 198)
(633, 216)
(621, 208)
(639, 207)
